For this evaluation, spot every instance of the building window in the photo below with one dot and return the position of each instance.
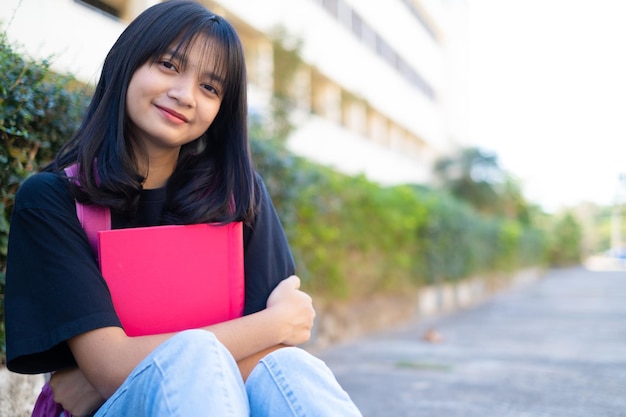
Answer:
(418, 15)
(326, 98)
(378, 127)
(367, 35)
(354, 114)
(113, 8)
(356, 25)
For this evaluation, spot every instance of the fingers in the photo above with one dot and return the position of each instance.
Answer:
(294, 312)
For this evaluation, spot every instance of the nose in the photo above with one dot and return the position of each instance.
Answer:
(182, 90)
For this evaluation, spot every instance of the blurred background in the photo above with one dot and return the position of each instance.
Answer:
(407, 144)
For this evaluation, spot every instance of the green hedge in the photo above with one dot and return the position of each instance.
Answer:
(565, 237)
(38, 111)
(350, 237)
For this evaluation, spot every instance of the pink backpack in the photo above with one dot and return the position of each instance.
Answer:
(45, 405)
(93, 219)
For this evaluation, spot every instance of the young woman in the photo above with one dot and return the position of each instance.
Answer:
(163, 141)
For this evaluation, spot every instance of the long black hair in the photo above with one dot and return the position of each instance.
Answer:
(214, 179)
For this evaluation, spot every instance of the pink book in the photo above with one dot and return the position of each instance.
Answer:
(171, 278)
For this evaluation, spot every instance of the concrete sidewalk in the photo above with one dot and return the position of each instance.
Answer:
(554, 348)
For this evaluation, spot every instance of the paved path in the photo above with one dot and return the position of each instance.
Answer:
(554, 348)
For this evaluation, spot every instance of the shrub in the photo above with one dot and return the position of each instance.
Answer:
(39, 110)
(565, 242)
(351, 237)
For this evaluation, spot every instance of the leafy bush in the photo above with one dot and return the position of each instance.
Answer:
(350, 237)
(565, 242)
(39, 110)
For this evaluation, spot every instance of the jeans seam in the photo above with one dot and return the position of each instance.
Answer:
(222, 377)
(283, 386)
(121, 392)
(162, 387)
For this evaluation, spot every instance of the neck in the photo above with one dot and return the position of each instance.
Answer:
(159, 169)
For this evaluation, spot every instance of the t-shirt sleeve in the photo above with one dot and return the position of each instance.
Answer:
(267, 256)
(54, 289)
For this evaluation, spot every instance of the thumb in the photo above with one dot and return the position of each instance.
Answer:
(293, 281)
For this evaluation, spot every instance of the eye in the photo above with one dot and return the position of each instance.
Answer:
(211, 89)
(168, 65)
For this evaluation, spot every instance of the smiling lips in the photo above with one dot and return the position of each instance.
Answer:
(172, 115)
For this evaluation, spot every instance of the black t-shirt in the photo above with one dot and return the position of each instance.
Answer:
(54, 289)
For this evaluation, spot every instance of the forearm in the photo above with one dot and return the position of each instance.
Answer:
(246, 365)
(250, 334)
(107, 356)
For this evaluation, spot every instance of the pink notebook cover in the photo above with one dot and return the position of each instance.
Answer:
(171, 278)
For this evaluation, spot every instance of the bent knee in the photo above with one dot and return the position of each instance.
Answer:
(289, 353)
(293, 358)
(194, 337)
(189, 345)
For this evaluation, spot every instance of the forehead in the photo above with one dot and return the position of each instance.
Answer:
(201, 53)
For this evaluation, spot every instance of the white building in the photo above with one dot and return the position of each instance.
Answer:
(381, 88)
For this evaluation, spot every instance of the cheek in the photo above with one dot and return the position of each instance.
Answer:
(137, 97)
(141, 84)
(132, 95)
(131, 106)
(209, 113)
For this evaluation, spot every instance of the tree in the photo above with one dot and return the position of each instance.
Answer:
(475, 176)
(565, 246)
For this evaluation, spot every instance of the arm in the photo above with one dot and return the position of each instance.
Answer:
(278, 296)
(246, 365)
(106, 356)
(268, 258)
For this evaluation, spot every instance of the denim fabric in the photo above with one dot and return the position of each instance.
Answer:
(193, 374)
(291, 382)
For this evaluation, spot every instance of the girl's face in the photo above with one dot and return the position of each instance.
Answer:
(174, 100)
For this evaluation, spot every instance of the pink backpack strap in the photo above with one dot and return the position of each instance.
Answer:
(45, 405)
(93, 218)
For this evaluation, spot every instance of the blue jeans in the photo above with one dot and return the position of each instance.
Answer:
(193, 374)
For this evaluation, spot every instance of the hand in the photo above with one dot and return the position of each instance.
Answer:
(294, 310)
(72, 390)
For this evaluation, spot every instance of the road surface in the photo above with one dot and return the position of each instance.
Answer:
(553, 348)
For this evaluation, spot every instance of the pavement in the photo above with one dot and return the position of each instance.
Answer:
(552, 348)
